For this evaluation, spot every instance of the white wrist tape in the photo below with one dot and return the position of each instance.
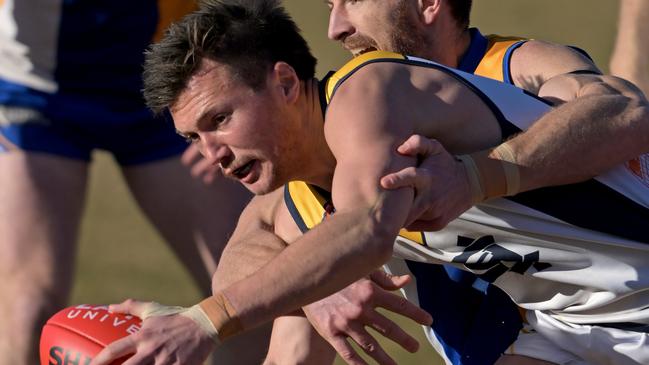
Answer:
(475, 179)
(512, 174)
(195, 313)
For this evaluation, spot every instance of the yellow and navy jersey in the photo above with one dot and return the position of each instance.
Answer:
(559, 249)
(84, 46)
(490, 55)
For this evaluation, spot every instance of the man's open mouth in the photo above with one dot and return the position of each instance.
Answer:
(363, 51)
(244, 170)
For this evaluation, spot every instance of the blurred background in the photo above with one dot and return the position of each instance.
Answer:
(122, 256)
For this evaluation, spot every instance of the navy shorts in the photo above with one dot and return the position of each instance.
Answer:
(74, 124)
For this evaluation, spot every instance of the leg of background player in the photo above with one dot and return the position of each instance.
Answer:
(196, 220)
(630, 59)
(41, 199)
(294, 341)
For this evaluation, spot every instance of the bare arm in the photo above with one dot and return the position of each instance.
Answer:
(602, 121)
(574, 142)
(253, 242)
(358, 238)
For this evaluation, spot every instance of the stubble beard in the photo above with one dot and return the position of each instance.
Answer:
(406, 38)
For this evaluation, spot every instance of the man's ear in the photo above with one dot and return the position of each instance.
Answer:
(429, 10)
(287, 80)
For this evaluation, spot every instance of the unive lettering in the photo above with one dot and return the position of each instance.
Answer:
(90, 315)
(93, 313)
(73, 314)
(132, 329)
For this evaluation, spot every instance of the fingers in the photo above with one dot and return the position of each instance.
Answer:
(114, 351)
(190, 155)
(400, 305)
(346, 351)
(419, 145)
(370, 346)
(129, 306)
(407, 177)
(388, 281)
(394, 332)
(205, 169)
(415, 145)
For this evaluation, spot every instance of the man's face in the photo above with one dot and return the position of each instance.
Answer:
(241, 129)
(364, 25)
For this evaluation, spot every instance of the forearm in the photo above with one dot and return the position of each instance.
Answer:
(326, 259)
(244, 257)
(575, 142)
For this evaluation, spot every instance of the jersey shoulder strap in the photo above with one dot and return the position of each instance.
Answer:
(496, 61)
(337, 78)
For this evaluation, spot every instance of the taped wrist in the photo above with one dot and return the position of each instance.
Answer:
(475, 179)
(195, 313)
(492, 177)
(221, 315)
(507, 159)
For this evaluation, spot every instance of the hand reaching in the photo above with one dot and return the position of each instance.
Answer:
(347, 313)
(168, 336)
(442, 190)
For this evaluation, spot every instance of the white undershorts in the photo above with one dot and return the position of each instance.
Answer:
(546, 338)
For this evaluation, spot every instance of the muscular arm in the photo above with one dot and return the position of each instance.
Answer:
(359, 236)
(573, 142)
(601, 121)
(253, 242)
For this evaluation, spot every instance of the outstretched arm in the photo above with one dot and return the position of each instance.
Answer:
(357, 238)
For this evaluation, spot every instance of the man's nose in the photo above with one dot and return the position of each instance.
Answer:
(339, 25)
(216, 153)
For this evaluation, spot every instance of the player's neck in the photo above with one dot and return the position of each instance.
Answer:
(320, 163)
(448, 47)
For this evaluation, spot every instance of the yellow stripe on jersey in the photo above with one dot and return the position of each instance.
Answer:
(308, 202)
(170, 11)
(491, 65)
(310, 206)
(350, 66)
(417, 237)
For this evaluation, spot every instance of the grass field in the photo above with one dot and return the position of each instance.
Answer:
(122, 256)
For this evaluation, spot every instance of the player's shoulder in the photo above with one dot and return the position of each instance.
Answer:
(537, 61)
(262, 209)
(378, 71)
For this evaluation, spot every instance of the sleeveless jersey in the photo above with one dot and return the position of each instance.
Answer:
(51, 45)
(71, 77)
(579, 252)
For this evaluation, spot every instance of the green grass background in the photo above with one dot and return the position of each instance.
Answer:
(121, 255)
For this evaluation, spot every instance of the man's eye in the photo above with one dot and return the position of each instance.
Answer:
(220, 119)
(191, 138)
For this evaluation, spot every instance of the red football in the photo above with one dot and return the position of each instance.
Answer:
(76, 334)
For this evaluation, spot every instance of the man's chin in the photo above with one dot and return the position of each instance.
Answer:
(259, 188)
